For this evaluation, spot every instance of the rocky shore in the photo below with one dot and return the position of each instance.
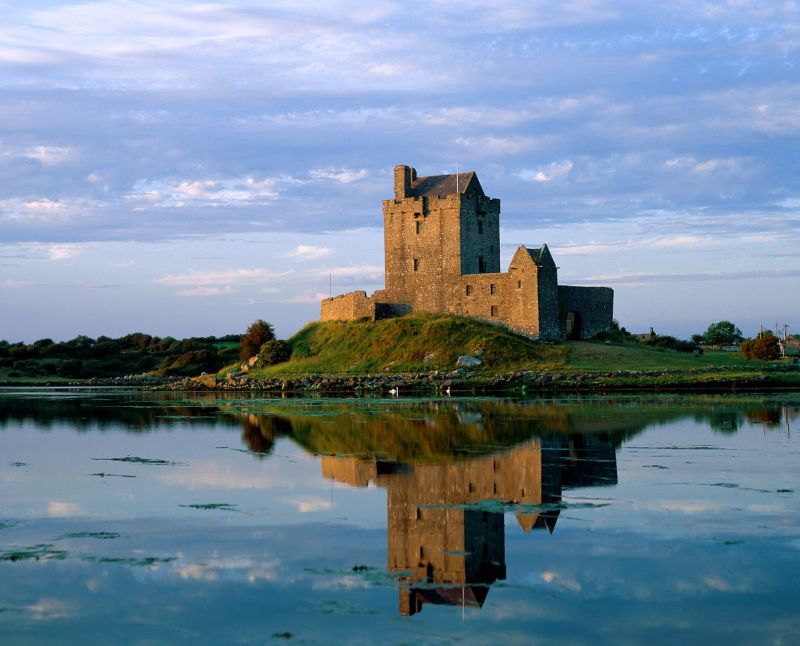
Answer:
(463, 381)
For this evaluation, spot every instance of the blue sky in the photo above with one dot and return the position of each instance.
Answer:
(186, 168)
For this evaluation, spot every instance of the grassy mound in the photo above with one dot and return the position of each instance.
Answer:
(402, 344)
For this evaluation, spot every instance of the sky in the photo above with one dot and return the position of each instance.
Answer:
(182, 168)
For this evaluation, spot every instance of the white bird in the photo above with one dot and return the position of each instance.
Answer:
(447, 392)
(394, 391)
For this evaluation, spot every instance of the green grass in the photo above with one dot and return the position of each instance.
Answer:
(588, 355)
(401, 344)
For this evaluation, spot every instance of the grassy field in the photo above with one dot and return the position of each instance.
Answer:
(588, 355)
(402, 345)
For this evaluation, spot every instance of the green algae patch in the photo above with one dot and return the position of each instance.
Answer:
(40, 552)
(137, 460)
(222, 506)
(131, 561)
(99, 535)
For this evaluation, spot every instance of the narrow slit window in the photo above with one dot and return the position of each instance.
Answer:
(469, 290)
(480, 227)
(416, 264)
(494, 310)
(481, 265)
(418, 227)
(492, 288)
(519, 284)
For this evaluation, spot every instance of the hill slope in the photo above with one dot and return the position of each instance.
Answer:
(402, 344)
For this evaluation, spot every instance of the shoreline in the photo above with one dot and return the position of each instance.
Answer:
(709, 379)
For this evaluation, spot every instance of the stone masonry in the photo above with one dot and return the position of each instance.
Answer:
(442, 255)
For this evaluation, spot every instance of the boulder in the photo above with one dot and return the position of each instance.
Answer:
(466, 361)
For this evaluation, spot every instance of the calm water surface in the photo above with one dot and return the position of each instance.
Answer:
(161, 518)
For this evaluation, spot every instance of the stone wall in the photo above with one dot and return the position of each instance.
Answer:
(480, 234)
(594, 307)
(421, 241)
(347, 307)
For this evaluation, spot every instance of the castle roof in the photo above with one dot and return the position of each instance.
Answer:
(444, 184)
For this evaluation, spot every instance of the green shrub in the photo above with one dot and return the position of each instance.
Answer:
(273, 352)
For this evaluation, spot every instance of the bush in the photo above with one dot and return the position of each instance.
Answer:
(257, 335)
(765, 347)
(273, 352)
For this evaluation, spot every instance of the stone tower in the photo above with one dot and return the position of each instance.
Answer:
(437, 229)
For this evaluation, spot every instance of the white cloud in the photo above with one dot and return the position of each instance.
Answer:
(494, 145)
(206, 291)
(308, 504)
(223, 277)
(346, 582)
(60, 509)
(49, 155)
(310, 252)
(208, 192)
(552, 172)
(307, 298)
(48, 609)
(349, 272)
(342, 175)
(45, 210)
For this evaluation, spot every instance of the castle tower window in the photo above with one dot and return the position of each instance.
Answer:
(469, 290)
(418, 227)
(519, 284)
(492, 288)
(480, 227)
(416, 264)
(494, 310)
(481, 265)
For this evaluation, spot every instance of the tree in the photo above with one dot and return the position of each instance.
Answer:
(765, 347)
(257, 335)
(722, 333)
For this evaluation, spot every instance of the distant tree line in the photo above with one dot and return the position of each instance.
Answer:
(720, 334)
(137, 353)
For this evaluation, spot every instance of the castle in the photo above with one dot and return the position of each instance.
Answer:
(442, 255)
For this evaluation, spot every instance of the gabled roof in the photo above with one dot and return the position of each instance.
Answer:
(535, 254)
(445, 184)
(538, 255)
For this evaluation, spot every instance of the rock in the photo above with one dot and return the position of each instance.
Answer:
(458, 372)
(466, 361)
(209, 381)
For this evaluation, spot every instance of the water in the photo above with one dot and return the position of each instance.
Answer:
(162, 518)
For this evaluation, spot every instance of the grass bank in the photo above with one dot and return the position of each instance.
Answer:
(424, 349)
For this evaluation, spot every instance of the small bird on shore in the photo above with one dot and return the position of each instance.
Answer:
(394, 391)
(447, 392)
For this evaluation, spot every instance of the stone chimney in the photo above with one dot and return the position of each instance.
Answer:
(403, 176)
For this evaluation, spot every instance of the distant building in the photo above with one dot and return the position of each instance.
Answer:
(442, 255)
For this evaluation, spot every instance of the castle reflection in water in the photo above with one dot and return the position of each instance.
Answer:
(446, 520)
